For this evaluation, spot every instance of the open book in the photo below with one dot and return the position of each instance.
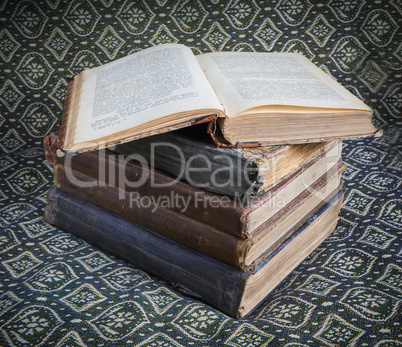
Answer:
(256, 98)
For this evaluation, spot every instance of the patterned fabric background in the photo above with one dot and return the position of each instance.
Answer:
(57, 290)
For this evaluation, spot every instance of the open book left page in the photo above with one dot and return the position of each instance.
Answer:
(155, 88)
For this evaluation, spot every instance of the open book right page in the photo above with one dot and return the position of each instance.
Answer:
(245, 80)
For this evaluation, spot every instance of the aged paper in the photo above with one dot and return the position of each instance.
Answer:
(246, 80)
(140, 88)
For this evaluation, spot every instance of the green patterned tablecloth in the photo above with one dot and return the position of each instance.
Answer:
(57, 290)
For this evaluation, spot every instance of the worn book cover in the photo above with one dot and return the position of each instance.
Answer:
(206, 237)
(225, 287)
(140, 186)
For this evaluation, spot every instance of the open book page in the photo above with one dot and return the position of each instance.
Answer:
(140, 88)
(247, 80)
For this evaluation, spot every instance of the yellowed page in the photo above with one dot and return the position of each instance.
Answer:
(245, 80)
(139, 88)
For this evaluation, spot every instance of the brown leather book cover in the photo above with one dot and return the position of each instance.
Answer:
(144, 183)
(198, 235)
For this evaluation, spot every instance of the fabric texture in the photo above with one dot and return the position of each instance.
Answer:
(57, 290)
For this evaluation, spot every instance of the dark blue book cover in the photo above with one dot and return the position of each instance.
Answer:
(227, 288)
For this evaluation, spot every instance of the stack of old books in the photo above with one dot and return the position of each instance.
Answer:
(227, 223)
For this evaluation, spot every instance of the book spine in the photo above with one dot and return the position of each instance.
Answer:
(216, 283)
(108, 167)
(192, 233)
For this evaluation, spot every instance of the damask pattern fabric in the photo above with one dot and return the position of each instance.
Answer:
(57, 290)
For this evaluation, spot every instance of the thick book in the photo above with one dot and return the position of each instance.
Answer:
(143, 190)
(190, 154)
(222, 286)
(219, 244)
(255, 99)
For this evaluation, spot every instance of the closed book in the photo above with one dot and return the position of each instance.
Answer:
(190, 155)
(233, 250)
(224, 287)
(147, 185)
